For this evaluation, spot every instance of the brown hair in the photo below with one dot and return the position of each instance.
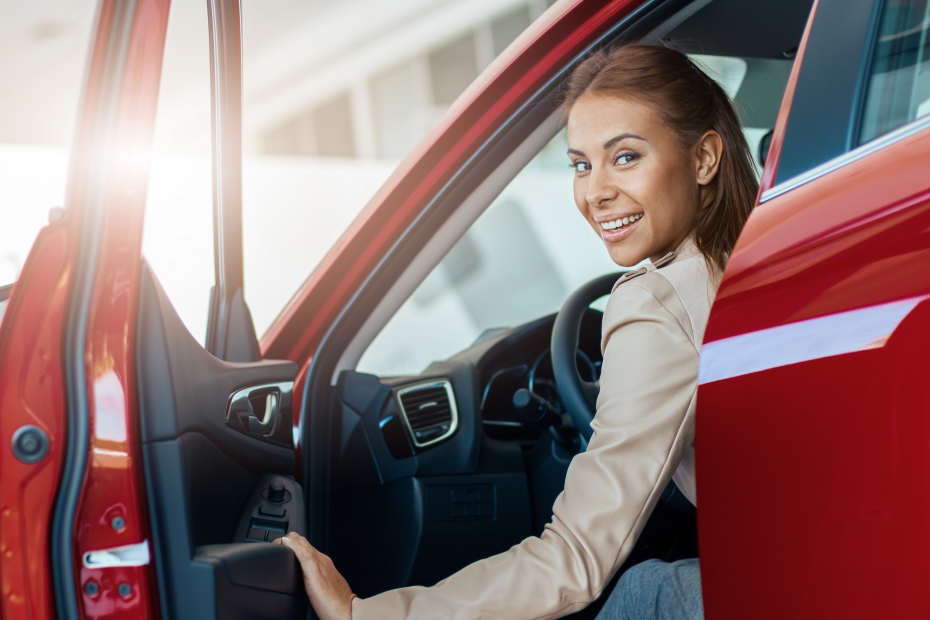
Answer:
(691, 103)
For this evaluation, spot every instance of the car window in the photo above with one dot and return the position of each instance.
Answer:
(898, 87)
(43, 47)
(334, 96)
(177, 236)
(822, 125)
(519, 260)
(531, 248)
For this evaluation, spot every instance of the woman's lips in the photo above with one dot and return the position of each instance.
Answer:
(618, 234)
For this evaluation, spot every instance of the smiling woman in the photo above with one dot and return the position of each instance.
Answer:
(633, 177)
(530, 249)
(691, 127)
(663, 174)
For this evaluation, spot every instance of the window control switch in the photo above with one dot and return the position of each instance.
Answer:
(256, 534)
(276, 528)
(272, 511)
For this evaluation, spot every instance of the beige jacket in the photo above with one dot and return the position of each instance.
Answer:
(643, 436)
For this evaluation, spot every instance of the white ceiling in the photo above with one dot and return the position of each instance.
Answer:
(42, 50)
(296, 52)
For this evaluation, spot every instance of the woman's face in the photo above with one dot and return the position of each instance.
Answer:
(635, 183)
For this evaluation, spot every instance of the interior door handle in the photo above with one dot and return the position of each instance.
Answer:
(269, 411)
(256, 410)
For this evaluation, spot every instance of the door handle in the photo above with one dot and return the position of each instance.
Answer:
(256, 410)
(268, 407)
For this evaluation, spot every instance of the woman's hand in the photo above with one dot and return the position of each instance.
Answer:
(329, 593)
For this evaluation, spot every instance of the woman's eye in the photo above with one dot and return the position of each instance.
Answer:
(580, 166)
(626, 158)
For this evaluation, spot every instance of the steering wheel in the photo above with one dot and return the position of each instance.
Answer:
(578, 396)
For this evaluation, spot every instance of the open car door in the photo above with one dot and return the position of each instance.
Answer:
(147, 473)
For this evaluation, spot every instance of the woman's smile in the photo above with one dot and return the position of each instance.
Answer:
(617, 226)
(627, 161)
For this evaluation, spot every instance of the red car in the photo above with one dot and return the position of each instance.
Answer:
(145, 473)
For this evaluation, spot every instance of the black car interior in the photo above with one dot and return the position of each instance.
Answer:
(219, 457)
(402, 480)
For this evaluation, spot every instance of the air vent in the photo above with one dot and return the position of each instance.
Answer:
(429, 410)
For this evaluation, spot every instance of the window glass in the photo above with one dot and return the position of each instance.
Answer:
(177, 240)
(43, 48)
(518, 261)
(898, 89)
(531, 248)
(334, 96)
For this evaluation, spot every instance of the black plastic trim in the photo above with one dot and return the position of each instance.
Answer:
(230, 331)
(200, 474)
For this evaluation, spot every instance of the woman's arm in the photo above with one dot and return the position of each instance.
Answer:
(643, 426)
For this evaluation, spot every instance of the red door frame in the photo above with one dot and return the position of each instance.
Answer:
(66, 349)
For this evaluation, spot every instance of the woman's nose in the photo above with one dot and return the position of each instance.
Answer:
(600, 190)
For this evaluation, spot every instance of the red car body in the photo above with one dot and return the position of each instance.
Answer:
(813, 475)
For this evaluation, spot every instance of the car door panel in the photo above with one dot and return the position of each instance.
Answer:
(199, 384)
(812, 406)
(208, 477)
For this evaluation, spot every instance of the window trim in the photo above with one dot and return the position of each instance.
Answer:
(863, 150)
(855, 123)
(230, 330)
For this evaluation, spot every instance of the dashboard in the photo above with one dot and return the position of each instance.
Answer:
(432, 472)
(435, 423)
(502, 419)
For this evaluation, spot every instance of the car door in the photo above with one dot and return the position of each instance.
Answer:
(147, 473)
(812, 408)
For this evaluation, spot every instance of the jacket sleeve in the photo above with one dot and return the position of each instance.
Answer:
(642, 429)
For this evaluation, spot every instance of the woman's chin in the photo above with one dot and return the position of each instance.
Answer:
(625, 258)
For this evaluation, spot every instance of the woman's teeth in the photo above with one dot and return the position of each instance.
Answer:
(620, 222)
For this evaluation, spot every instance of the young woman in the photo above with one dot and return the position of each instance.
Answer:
(662, 172)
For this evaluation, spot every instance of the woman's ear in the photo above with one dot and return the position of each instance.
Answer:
(709, 150)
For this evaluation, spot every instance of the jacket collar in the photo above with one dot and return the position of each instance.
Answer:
(685, 250)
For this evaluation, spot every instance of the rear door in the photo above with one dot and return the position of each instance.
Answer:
(813, 407)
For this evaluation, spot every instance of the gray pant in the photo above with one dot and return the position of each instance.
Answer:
(656, 590)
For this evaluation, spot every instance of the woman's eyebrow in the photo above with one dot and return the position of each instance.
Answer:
(575, 152)
(622, 136)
